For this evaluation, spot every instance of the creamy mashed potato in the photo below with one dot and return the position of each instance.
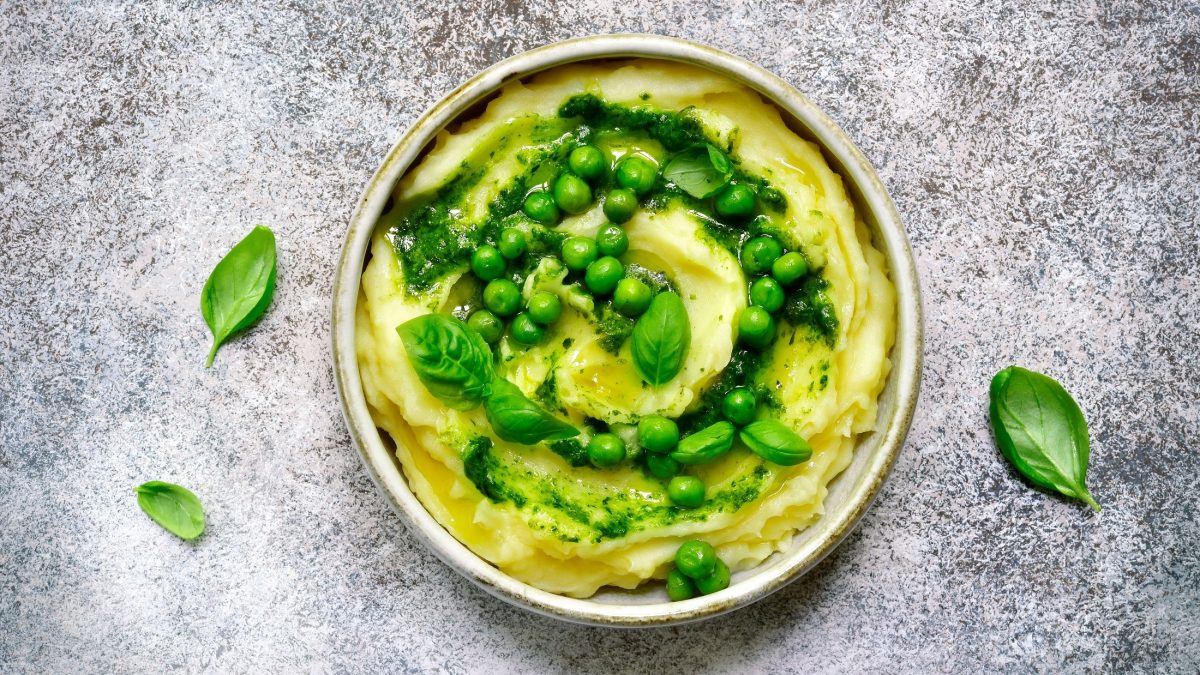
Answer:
(526, 508)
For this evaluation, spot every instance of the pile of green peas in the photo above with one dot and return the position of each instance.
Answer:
(771, 269)
(572, 191)
(502, 298)
(658, 436)
(698, 571)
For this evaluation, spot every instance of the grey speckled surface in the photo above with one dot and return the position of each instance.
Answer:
(1044, 157)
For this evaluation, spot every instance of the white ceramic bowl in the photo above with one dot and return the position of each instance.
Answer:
(849, 494)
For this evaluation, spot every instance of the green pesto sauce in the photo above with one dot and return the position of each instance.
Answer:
(575, 511)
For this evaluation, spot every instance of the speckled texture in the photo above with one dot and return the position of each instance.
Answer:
(1044, 157)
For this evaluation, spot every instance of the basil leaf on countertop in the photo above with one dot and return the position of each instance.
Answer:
(173, 507)
(453, 361)
(661, 338)
(1041, 430)
(705, 445)
(240, 287)
(701, 170)
(775, 442)
(516, 419)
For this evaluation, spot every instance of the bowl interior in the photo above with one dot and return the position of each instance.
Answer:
(849, 493)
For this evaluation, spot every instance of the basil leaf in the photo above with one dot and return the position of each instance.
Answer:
(661, 338)
(174, 507)
(453, 361)
(239, 288)
(1041, 430)
(701, 170)
(775, 442)
(519, 420)
(705, 445)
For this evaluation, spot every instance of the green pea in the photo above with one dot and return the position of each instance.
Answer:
(696, 559)
(658, 434)
(789, 267)
(637, 174)
(735, 201)
(572, 194)
(756, 328)
(606, 450)
(502, 297)
(578, 253)
(525, 330)
(489, 327)
(679, 586)
(586, 161)
(541, 207)
(717, 581)
(759, 253)
(686, 491)
(511, 243)
(603, 275)
(765, 292)
(487, 263)
(620, 205)
(632, 297)
(544, 308)
(739, 406)
(612, 240)
(662, 466)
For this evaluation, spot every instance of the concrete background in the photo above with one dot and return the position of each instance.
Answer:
(1044, 156)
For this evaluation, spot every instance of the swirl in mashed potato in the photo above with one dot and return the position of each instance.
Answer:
(539, 512)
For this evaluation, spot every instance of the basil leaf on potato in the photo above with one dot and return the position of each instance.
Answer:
(516, 419)
(705, 445)
(452, 361)
(775, 442)
(661, 338)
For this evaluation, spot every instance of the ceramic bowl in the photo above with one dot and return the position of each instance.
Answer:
(849, 494)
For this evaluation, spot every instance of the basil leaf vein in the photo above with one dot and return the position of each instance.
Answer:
(240, 287)
(173, 507)
(661, 338)
(775, 442)
(705, 445)
(701, 170)
(452, 361)
(1040, 429)
(516, 419)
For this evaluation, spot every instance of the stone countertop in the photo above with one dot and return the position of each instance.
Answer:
(1043, 155)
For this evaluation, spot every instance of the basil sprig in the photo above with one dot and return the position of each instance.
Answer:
(455, 365)
(240, 287)
(173, 507)
(705, 445)
(516, 419)
(661, 338)
(775, 442)
(453, 361)
(1041, 430)
(701, 170)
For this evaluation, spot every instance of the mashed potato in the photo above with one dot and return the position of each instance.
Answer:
(538, 512)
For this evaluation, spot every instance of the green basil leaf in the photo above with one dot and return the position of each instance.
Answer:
(453, 361)
(518, 420)
(701, 170)
(775, 442)
(240, 287)
(174, 507)
(1040, 429)
(661, 338)
(705, 445)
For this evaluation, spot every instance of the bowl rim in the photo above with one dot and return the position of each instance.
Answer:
(866, 191)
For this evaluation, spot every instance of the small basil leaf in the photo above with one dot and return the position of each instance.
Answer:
(516, 419)
(1041, 430)
(705, 445)
(240, 287)
(173, 507)
(661, 338)
(775, 442)
(453, 361)
(701, 170)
